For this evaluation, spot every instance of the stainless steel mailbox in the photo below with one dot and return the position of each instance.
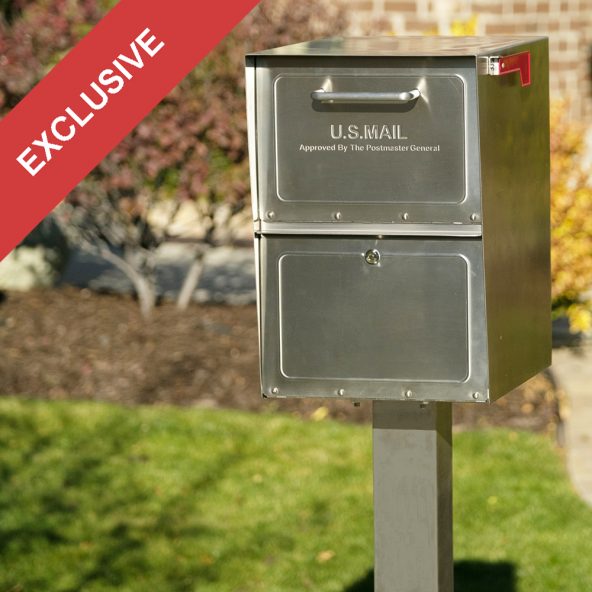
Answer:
(401, 206)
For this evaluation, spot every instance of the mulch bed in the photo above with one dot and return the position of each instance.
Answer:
(68, 343)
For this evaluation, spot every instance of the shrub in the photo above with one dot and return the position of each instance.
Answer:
(571, 220)
(193, 146)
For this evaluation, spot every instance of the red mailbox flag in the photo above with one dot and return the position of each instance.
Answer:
(95, 96)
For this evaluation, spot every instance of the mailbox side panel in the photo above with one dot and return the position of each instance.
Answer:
(251, 97)
(514, 144)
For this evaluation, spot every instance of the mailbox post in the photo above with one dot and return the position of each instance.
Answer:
(400, 194)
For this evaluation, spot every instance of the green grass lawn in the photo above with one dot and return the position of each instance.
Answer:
(97, 497)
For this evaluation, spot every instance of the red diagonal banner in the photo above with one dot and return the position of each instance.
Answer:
(95, 96)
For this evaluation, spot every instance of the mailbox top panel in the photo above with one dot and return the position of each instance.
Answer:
(401, 46)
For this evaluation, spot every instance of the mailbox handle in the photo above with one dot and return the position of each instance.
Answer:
(324, 96)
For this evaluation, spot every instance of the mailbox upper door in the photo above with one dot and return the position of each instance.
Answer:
(371, 143)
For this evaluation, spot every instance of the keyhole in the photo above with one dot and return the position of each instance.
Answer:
(372, 257)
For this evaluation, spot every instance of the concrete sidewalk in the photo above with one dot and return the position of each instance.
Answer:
(572, 369)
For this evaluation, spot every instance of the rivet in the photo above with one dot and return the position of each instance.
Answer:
(408, 394)
(476, 395)
(372, 257)
(474, 217)
(271, 214)
(275, 390)
(337, 215)
(405, 216)
(341, 392)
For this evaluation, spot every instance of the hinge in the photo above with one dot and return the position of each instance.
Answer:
(488, 65)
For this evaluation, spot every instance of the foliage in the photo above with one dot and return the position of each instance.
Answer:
(571, 220)
(193, 146)
(460, 27)
(98, 497)
(34, 37)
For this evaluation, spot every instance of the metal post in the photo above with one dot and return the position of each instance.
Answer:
(412, 497)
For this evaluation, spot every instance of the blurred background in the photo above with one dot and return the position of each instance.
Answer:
(114, 296)
(139, 288)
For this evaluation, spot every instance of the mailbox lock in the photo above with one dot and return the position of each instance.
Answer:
(372, 257)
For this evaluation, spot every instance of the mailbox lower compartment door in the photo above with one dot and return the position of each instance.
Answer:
(373, 318)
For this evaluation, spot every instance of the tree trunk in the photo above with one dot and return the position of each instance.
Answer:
(146, 292)
(144, 286)
(190, 282)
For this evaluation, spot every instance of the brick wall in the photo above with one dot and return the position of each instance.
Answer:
(568, 23)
